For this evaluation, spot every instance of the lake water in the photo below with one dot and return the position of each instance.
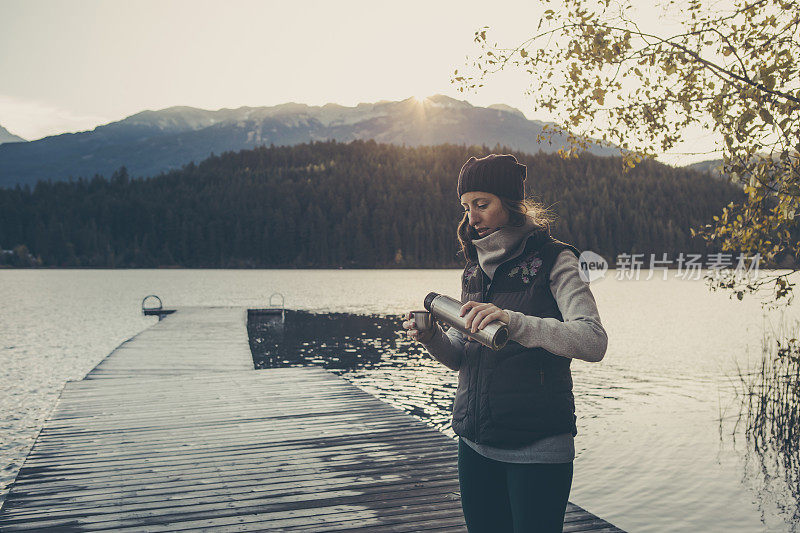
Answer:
(656, 448)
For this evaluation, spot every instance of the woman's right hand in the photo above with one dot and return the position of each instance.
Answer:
(417, 335)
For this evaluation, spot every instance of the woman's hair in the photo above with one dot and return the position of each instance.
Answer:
(518, 211)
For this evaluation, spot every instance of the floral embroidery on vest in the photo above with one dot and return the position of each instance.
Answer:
(470, 272)
(527, 268)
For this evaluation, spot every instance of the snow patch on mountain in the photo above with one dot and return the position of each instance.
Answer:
(8, 137)
(508, 109)
(179, 118)
(445, 102)
(337, 115)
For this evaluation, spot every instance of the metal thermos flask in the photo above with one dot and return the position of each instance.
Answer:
(446, 309)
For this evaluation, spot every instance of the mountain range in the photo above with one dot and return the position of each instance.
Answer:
(152, 142)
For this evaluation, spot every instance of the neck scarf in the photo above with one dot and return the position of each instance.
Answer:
(506, 243)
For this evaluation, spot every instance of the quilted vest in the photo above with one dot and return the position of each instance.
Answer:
(516, 395)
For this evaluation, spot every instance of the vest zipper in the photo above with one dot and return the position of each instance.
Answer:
(476, 402)
(485, 299)
(477, 394)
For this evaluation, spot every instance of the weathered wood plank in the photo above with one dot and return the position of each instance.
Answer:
(241, 490)
(276, 508)
(192, 340)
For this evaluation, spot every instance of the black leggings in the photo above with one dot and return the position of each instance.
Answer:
(502, 497)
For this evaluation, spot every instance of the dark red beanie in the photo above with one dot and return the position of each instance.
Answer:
(498, 174)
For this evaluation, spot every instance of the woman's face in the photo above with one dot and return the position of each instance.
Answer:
(485, 212)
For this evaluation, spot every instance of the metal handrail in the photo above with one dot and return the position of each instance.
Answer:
(283, 300)
(160, 303)
(155, 311)
(282, 307)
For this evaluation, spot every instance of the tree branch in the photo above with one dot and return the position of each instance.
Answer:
(713, 66)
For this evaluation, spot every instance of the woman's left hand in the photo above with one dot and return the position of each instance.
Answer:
(479, 315)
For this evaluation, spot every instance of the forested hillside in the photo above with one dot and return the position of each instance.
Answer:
(329, 204)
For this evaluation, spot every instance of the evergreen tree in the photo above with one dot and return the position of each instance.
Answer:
(329, 204)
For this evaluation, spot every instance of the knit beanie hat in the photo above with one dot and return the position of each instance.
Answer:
(498, 174)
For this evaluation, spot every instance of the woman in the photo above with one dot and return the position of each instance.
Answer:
(514, 410)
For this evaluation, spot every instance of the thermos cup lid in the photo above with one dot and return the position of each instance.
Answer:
(429, 299)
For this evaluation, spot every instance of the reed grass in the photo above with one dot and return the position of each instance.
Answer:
(770, 407)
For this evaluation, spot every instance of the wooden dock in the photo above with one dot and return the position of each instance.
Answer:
(175, 431)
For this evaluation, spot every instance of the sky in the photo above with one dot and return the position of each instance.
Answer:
(71, 65)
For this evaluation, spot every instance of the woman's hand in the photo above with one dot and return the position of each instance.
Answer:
(479, 315)
(414, 334)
